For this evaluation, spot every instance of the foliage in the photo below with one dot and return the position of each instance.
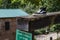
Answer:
(37, 32)
(52, 28)
(31, 6)
(40, 31)
(55, 27)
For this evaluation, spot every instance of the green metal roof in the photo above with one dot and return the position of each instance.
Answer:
(12, 13)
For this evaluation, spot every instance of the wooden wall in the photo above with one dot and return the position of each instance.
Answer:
(10, 34)
(43, 22)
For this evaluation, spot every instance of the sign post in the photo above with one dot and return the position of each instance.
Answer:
(21, 35)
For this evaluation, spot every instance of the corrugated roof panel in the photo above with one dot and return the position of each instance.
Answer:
(12, 13)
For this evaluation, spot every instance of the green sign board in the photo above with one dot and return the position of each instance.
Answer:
(21, 35)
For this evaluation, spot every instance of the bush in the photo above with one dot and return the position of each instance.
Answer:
(43, 31)
(37, 32)
(40, 31)
(55, 27)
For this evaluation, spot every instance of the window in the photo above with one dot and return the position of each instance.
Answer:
(7, 26)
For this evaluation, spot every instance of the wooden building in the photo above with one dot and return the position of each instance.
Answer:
(9, 21)
(37, 21)
(12, 19)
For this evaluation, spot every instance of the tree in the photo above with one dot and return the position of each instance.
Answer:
(6, 4)
(31, 6)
